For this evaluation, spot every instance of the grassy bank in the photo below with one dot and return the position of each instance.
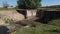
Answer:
(52, 27)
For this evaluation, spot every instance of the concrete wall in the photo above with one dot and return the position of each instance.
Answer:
(48, 16)
(27, 13)
(31, 13)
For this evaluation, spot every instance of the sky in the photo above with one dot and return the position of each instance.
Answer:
(10, 2)
(44, 2)
(50, 2)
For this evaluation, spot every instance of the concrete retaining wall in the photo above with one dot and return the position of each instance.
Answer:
(27, 13)
(49, 15)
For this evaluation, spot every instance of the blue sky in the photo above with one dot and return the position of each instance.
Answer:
(44, 2)
(11, 2)
(50, 2)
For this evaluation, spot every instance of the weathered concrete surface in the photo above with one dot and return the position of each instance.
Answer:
(10, 14)
(47, 16)
(1, 22)
(28, 13)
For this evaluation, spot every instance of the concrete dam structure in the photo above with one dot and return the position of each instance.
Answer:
(28, 13)
(49, 15)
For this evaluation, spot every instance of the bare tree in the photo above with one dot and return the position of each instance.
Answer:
(5, 4)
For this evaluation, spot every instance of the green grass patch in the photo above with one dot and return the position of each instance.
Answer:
(10, 21)
(52, 27)
(55, 22)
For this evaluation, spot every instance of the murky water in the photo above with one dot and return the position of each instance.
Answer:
(4, 30)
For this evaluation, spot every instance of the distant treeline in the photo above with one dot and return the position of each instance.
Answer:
(54, 6)
(7, 8)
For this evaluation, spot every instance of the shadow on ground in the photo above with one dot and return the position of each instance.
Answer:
(4, 30)
(23, 12)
